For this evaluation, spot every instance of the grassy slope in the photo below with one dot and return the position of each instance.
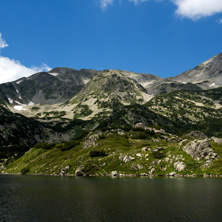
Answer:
(51, 159)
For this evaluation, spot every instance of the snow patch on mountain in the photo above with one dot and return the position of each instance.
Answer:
(19, 108)
(213, 84)
(10, 100)
(53, 73)
(18, 82)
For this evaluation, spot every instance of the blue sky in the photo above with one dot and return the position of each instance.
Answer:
(162, 37)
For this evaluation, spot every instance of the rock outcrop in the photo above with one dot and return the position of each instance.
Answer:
(217, 140)
(196, 135)
(200, 149)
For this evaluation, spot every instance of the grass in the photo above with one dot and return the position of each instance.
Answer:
(52, 158)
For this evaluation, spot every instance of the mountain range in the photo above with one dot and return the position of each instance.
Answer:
(64, 104)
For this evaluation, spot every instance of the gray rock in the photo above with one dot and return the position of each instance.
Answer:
(91, 140)
(144, 149)
(126, 158)
(64, 171)
(172, 174)
(158, 149)
(139, 167)
(139, 155)
(114, 174)
(152, 171)
(217, 140)
(199, 149)
(140, 125)
(79, 172)
(196, 135)
(179, 166)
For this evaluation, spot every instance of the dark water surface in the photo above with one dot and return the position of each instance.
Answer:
(43, 198)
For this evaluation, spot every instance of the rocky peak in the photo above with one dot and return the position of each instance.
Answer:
(210, 71)
(79, 77)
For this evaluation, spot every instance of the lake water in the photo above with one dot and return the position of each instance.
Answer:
(44, 198)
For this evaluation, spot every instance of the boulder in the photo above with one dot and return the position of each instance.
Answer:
(172, 174)
(139, 155)
(217, 140)
(79, 172)
(196, 135)
(126, 158)
(199, 149)
(139, 167)
(152, 171)
(179, 166)
(114, 174)
(140, 125)
(64, 171)
(158, 149)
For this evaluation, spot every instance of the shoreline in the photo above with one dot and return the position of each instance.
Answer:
(122, 175)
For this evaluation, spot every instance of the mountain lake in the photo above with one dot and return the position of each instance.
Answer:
(47, 198)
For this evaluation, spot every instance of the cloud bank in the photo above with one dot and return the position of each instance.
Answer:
(192, 9)
(11, 69)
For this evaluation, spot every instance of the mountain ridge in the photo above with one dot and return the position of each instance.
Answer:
(92, 122)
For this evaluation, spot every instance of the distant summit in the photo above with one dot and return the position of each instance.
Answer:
(207, 75)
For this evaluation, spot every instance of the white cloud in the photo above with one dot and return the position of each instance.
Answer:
(105, 3)
(3, 43)
(196, 9)
(137, 2)
(11, 69)
(192, 9)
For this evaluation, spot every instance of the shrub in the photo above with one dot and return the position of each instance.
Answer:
(97, 153)
(45, 146)
(70, 145)
(150, 132)
(139, 135)
(102, 136)
(158, 154)
(140, 129)
(25, 170)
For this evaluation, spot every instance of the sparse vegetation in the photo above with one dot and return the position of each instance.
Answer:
(117, 150)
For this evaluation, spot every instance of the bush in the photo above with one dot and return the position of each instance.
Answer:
(25, 170)
(70, 145)
(150, 132)
(102, 136)
(140, 129)
(139, 135)
(158, 154)
(45, 146)
(97, 153)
